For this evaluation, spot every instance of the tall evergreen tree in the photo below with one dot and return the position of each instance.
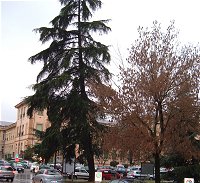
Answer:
(72, 59)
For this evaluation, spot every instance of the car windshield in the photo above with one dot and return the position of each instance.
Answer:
(7, 164)
(121, 169)
(6, 168)
(45, 166)
(51, 172)
(19, 165)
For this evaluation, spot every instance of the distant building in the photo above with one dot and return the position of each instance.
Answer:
(9, 140)
(5, 123)
(16, 137)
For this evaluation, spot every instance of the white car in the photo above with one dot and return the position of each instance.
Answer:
(136, 174)
(134, 168)
(47, 176)
(80, 173)
(34, 167)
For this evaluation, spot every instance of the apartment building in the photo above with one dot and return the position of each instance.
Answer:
(9, 141)
(20, 135)
(2, 139)
(3, 128)
(16, 137)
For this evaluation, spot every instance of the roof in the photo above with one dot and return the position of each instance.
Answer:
(5, 123)
(20, 104)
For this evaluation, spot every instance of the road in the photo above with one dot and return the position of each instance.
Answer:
(25, 177)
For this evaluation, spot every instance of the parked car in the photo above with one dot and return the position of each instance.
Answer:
(57, 166)
(47, 176)
(136, 174)
(123, 180)
(133, 174)
(132, 168)
(34, 166)
(122, 171)
(7, 173)
(3, 162)
(109, 174)
(25, 164)
(104, 167)
(80, 173)
(44, 166)
(18, 167)
(120, 166)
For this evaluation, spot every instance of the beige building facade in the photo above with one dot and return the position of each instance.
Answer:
(9, 142)
(16, 137)
(2, 140)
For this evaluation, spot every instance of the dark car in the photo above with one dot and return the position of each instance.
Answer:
(7, 173)
(18, 167)
(24, 164)
(122, 171)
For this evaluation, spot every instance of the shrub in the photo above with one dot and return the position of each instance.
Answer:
(114, 163)
(179, 173)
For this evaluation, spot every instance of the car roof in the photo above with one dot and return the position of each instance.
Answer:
(5, 166)
(1, 167)
(122, 180)
(102, 169)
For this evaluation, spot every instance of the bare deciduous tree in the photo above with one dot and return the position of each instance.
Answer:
(158, 107)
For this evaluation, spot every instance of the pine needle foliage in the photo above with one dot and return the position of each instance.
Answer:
(72, 59)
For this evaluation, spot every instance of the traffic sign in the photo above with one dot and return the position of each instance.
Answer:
(16, 159)
(188, 180)
(98, 176)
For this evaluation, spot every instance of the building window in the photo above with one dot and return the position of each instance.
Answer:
(39, 127)
(21, 113)
(24, 111)
(22, 130)
(3, 136)
(17, 130)
(25, 131)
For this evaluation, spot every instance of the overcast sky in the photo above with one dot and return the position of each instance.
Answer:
(19, 42)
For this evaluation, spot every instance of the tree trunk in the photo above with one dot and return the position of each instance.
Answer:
(55, 155)
(90, 158)
(130, 157)
(157, 167)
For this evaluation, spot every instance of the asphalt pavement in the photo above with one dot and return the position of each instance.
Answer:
(25, 177)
